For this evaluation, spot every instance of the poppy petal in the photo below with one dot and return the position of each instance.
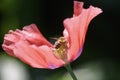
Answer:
(51, 59)
(34, 36)
(9, 40)
(39, 57)
(28, 55)
(77, 27)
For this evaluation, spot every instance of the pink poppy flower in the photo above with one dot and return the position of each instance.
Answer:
(30, 46)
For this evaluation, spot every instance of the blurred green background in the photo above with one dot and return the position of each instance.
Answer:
(100, 57)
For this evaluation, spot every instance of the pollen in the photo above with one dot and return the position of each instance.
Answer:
(61, 48)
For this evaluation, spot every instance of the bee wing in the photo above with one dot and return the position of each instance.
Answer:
(54, 38)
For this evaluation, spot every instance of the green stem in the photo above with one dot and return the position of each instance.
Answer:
(68, 67)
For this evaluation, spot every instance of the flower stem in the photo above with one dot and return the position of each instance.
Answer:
(69, 69)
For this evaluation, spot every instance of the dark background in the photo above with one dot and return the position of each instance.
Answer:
(102, 39)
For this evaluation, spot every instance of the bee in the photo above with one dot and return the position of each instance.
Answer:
(60, 48)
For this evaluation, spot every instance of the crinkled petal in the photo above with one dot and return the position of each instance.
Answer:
(9, 40)
(39, 57)
(29, 55)
(76, 28)
(73, 38)
(51, 60)
(8, 49)
(30, 34)
(33, 35)
(78, 6)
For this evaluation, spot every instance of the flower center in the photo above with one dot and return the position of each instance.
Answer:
(60, 48)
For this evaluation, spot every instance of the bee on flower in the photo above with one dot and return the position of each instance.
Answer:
(31, 47)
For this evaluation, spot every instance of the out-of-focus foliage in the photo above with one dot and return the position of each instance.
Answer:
(9, 17)
(100, 56)
(93, 70)
(12, 69)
